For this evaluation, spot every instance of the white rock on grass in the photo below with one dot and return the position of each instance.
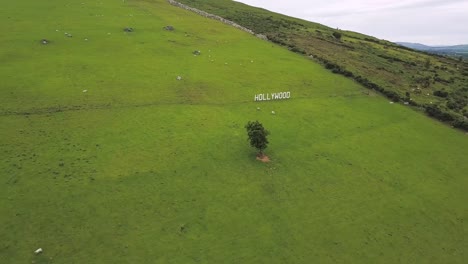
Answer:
(85, 91)
(179, 78)
(38, 251)
(273, 112)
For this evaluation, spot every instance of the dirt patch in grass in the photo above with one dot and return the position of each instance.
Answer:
(263, 158)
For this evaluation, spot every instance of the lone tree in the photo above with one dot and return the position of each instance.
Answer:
(257, 136)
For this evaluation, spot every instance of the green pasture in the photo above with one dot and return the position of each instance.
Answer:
(145, 168)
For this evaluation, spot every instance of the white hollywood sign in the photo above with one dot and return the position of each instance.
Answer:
(272, 96)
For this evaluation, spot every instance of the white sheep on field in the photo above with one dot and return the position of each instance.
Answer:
(273, 112)
(38, 251)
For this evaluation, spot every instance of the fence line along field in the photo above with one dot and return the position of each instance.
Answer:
(107, 156)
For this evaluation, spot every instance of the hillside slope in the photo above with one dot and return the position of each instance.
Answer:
(105, 157)
(436, 84)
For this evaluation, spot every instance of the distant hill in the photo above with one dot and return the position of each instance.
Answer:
(456, 50)
(416, 46)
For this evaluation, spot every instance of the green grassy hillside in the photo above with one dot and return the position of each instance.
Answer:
(145, 168)
(433, 83)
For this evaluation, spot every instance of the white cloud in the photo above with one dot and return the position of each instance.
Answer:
(433, 22)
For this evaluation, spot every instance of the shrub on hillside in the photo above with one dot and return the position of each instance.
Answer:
(441, 93)
(297, 50)
(337, 69)
(392, 95)
(461, 124)
(337, 35)
(368, 84)
(456, 104)
(435, 111)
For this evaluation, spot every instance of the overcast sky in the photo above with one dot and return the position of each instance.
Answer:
(431, 22)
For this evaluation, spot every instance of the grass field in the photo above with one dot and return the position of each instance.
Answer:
(143, 168)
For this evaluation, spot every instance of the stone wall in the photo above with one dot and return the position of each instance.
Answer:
(211, 16)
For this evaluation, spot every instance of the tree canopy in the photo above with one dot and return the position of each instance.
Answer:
(257, 135)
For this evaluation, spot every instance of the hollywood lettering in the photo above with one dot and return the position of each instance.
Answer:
(272, 96)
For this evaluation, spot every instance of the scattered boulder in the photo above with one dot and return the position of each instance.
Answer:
(38, 251)
(45, 41)
(273, 112)
(196, 52)
(169, 28)
(128, 29)
(179, 78)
